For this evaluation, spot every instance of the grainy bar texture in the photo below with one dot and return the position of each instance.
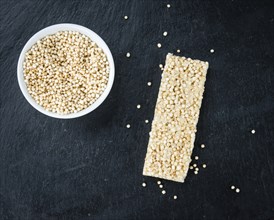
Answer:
(176, 115)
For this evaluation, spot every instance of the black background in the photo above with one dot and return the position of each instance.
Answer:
(91, 167)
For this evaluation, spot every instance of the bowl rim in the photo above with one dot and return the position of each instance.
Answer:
(49, 31)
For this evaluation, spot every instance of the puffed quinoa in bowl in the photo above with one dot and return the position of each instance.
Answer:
(65, 71)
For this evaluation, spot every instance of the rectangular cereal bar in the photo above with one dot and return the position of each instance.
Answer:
(176, 115)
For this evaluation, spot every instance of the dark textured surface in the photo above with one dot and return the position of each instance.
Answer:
(91, 167)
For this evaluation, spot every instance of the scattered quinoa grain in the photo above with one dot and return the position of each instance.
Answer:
(128, 125)
(232, 187)
(144, 184)
(253, 131)
(204, 165)
(158, 182)
(237, 190)
(128, 55)
(146, 121)
(149, 83)
(163, 192)
(159, 45)
(202, 146)
(175, 197)
(139, 106)
(161, 66)
(168, 5)
(196, 172)
(194, 165)
(212, 51)
(191, 167)
(178, 51)
(196, 168)
(165, 34)
(161, 186)
(125, 17)
(196, 158)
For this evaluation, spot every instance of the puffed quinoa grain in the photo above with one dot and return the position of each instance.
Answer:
(176, 115)
(66, 72)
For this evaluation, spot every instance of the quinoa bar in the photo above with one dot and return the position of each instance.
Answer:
(176, 115)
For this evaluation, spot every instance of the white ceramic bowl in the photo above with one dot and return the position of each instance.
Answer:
(52, 30)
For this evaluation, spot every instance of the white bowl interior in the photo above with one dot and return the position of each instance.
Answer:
(52, 30)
